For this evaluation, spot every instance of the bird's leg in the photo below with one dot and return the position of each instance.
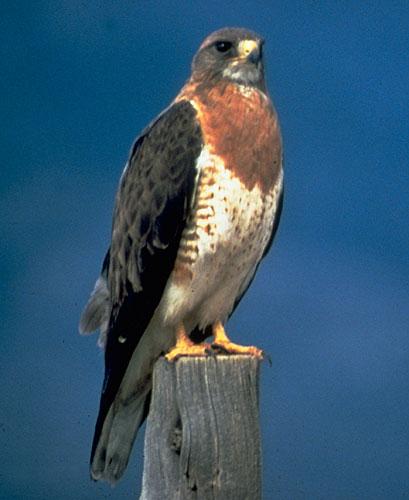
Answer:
(185, 346)
(222, 342)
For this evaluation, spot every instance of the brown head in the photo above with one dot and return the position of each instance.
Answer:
(234, 54)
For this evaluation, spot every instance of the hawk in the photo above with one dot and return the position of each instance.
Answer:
(196, 210)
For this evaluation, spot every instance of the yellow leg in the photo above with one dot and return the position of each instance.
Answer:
(185, 347)
(222, 341)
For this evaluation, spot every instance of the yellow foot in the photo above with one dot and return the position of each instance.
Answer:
(222, 343)
(191, 350)
(231, 348)
(185, 347)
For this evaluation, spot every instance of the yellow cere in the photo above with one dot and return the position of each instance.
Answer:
(246, 47)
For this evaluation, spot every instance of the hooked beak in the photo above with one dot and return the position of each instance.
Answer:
(250, 51)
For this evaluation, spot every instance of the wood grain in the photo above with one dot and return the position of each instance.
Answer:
(202, 438)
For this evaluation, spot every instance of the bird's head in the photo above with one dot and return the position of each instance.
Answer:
(235, 54)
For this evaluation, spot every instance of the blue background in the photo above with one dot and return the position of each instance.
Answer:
(79, 80)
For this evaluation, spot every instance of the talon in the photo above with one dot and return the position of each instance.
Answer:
(185, 347)
(231, 348)
(223, 343)
(193, 350)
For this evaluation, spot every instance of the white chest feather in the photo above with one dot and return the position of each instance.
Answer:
(222, 243)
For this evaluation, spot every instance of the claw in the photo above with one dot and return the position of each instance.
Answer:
(223, 343)
(185, 347)
(231, 348)
(188, 350)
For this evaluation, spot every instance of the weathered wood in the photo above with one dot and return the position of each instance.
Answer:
(202, 437)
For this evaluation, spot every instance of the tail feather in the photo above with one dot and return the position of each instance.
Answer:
(115, 435)
(116, 440)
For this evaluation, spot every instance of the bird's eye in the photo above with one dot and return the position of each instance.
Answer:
(223, 46)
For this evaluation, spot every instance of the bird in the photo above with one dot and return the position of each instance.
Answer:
(197, 208)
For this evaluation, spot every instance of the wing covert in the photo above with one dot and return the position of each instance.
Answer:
(152, 205)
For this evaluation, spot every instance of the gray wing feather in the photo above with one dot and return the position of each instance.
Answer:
(152, 206)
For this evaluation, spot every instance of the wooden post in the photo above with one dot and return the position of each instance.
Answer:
(202, 437)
